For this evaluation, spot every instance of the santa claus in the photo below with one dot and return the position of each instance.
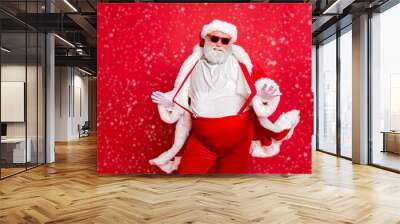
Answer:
(221, 105)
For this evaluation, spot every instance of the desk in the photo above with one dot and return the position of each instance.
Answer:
(16, 148)
(391, 141)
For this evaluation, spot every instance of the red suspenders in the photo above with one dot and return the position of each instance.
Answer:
(250, 84)
(246, 76)
(180, 87)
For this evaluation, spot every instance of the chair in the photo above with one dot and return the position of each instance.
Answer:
(84, 130)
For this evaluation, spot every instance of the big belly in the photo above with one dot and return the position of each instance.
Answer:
(217, 107)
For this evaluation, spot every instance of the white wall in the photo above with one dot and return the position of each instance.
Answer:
(80, 84)
(70, 83)
(16, 72)
(62, 81)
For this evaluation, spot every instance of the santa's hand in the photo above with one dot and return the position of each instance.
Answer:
(162, 159)
(269, 90)
(170, 166)
(162, 99)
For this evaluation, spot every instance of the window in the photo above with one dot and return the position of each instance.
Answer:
(22, 90)
(346, 93)
(385, 89)
(327, 96)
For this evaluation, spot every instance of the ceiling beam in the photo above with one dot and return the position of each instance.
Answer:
(84, 24)
(85, 61)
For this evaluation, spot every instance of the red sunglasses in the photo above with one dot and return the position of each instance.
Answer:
(215, 39)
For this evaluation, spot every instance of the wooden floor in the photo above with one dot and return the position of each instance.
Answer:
(70, 191)
(5, 172)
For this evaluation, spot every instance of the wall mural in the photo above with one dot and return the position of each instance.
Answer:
(204, 88)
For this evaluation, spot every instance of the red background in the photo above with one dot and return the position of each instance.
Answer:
(141, 47)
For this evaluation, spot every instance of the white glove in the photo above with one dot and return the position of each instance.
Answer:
(269, 91)
(162, 99)
(171, 165)
(163, 158)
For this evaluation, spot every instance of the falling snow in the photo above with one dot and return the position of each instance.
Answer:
(141, 48)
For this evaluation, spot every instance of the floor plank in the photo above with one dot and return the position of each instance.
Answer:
(70, 191)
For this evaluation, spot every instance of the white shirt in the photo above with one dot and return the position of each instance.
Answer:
(217, 90)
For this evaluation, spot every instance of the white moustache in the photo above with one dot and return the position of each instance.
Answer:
(215, 54)
(218, 49)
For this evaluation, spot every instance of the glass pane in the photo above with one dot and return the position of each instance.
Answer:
(41, 98)
(314, 71)
(385, 86)
(32, 83)
(346, 94)
(13, 89)
(31, 100)
(327, 97)
(22, 74)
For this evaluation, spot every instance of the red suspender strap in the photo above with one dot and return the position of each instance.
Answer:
(180, 87)
(246, 76)
(250, 84)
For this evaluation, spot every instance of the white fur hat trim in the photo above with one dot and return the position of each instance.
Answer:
(218, 25)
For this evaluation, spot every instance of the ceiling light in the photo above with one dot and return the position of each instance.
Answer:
(70, 5)
(338, 6)
(64, 40)
(5, 50)
(84, 71)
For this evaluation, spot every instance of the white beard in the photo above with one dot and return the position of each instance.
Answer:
(215, 54)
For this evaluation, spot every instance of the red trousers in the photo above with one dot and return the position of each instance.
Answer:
(218, 145)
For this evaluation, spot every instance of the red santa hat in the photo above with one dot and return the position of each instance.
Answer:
(218, 25)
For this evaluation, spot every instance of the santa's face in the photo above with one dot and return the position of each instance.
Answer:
(217, 47)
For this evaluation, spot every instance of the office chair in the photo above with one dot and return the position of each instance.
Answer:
(84, 130)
